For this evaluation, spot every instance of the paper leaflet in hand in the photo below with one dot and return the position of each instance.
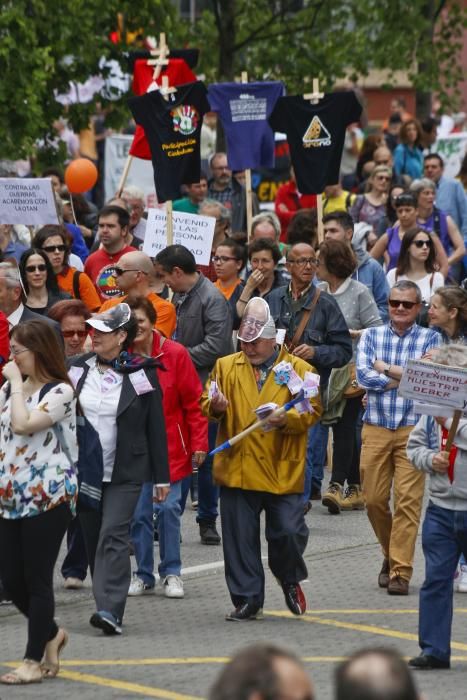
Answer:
(263, 411)
(213, 390)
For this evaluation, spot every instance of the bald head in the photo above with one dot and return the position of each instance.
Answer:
(383, 156)
(375, 674)
(138, 260)
(134, 271)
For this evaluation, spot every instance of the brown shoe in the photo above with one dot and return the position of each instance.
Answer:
(383, 577)
(398, 586)
(353, 499)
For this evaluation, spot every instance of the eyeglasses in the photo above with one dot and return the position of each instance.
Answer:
(32, 268)
(54, 248)
(395, 303)
(71, 334)
(119, 271)
(383, 177)
(221, 258)
(423, 243)
(302, 262)
(220, 167)
(15, 351)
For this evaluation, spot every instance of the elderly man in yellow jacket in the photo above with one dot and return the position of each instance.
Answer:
(265, 470)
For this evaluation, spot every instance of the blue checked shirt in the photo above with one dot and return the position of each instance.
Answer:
(387, 409)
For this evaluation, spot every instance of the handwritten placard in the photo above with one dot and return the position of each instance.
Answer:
(432, 384)
(28, 201)
(190, 230)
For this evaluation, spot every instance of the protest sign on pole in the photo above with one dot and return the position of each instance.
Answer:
(141, 174)
(28, 201)
(452, 149)
(190, 230)
(437, 390)
(430, 383)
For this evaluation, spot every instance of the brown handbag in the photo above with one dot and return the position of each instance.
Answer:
(303, 322)
(352, 390)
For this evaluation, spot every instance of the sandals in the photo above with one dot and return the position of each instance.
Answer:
(29, 672)
(50, 666)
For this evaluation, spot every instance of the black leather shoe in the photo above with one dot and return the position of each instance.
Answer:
(245, 611)
(294, 598)
(209, 534)
(425, 662)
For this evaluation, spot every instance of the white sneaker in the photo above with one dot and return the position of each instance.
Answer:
(462, 580)
(73, 584)
(173, 587)
(138, 587)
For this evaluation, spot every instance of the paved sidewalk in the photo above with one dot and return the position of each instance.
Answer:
(173, 649)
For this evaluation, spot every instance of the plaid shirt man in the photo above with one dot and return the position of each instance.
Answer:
(385, 408)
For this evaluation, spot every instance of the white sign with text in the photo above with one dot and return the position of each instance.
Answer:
(190, 230)
(28, 201)
(431, 384)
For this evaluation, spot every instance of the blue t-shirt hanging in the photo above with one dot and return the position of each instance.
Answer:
(243, 110)
(315, 134)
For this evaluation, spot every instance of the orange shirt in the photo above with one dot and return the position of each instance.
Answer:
(87, 291)
(227, 291)
(166, 317)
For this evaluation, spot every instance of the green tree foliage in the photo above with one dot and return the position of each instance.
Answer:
(44, 44)
(332, 39)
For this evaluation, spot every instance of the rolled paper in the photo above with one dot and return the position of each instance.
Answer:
(275, 414)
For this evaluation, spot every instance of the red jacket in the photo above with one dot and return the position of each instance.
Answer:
(287, 194)
(187, 428)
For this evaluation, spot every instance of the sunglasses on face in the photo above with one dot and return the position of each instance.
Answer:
(54, 248)
(422, 243)
(71, 334)
(383, 177)
(119, 271)
(40, 268)
(395, 303)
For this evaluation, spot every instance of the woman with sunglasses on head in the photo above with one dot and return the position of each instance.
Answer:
(416, 263)
(389, 244)
(39, 282)
(55, 242)
(38, 488)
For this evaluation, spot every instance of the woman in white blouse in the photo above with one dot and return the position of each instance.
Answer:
(38, 488)
(416, 263)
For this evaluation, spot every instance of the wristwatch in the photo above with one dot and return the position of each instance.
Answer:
(386, 370)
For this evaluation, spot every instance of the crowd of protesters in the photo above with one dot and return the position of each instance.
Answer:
(165, 359)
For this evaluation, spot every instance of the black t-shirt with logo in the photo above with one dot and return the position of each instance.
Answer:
(173, 127)
(316, 134)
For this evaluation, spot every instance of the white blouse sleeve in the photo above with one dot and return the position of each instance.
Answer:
(59, 402)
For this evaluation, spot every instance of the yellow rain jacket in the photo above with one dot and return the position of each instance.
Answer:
(273, 461)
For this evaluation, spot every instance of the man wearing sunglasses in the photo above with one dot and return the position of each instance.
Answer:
(388, 421)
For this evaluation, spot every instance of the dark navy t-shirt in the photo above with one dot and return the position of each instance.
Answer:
(316, 134)
(173, 129)
(243, 109)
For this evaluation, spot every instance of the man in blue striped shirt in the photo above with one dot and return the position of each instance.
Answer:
(388, 420)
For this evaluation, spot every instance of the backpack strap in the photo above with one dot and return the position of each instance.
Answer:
(304, 321)
(76, 276)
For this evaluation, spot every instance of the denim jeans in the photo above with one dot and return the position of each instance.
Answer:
(168, 524)
(208, 493)
(444, 537)
(315, 458)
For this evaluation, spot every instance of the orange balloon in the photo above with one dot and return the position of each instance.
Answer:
(81, 175)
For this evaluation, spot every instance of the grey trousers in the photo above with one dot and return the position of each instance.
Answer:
(112, 566)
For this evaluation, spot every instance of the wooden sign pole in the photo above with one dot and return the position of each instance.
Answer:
(248, 188)
(162, 51)
(314, 98)
(453, 430)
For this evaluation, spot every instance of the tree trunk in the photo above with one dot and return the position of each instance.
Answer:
(422, 97)
(226, 26)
